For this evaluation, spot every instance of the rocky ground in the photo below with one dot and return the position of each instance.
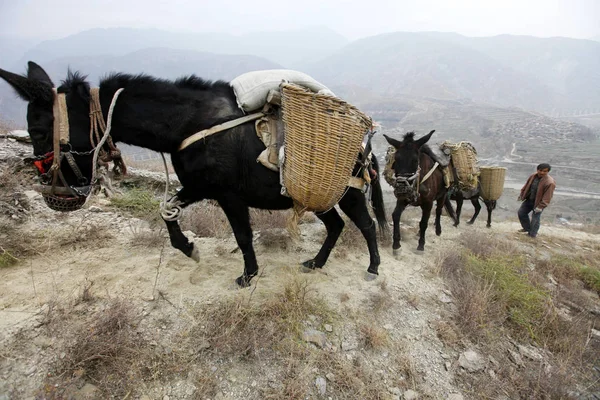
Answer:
(382, 336)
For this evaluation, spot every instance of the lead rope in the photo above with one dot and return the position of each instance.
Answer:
(101, 142)
(169, 210)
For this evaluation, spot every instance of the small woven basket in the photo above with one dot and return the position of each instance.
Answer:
(492, 182)
(323, 136)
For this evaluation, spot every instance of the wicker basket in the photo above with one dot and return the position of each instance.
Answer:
(492, 182)
(464, 160)
(323, 135)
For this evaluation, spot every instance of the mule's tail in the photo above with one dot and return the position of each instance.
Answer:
(377, 199)
(449, 208)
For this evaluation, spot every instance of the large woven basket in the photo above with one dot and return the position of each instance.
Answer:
(464, 160)
(323, 136)
(492, 182)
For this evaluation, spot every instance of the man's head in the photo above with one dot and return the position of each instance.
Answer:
(543, 169)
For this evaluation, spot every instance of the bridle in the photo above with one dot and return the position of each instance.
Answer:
(65, 197)
(406, 185)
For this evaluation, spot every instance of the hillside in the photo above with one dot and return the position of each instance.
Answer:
(568, 66)
(285, 48)
(118, 313)
(417, 64)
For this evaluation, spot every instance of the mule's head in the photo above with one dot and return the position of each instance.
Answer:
(404, 168)
(406, 156)
(70, 187)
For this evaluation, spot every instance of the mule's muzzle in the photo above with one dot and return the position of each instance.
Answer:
(60, 198)
(405, 187)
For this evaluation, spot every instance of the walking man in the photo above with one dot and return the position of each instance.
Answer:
(536, 196)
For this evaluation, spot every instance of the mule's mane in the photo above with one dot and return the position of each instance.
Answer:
(142, 83)
(158, 86)
(409, 137)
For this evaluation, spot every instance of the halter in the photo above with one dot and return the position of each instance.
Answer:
(66, 197)
(405, 185)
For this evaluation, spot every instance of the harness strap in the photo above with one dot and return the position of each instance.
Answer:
(218, 128)
(430, 172)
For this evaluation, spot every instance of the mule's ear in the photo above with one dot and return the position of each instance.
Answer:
(393, 142)
(26, 88)
(424, 139)
(37, 73)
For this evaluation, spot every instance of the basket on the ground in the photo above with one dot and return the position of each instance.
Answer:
(323, 136)
(492, 182)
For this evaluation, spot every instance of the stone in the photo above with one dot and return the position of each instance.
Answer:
(88, 391)
(516, 358)
(411, 395)
(328, 327)
(530, 352)
(471, 361)
(444, 298)
(395, 391)
(95, 209)
(455, 396)
(314, 336)
(321, 385)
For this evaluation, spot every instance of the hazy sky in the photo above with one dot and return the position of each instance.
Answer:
(49, 19)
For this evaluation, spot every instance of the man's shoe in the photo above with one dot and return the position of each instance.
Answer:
(523, 231)
(531, 236)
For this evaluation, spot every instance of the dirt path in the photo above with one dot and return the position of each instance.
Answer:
(118, 268)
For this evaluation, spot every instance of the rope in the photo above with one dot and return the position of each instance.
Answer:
(106, 134)
(169, 210)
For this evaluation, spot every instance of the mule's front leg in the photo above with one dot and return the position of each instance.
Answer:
(396, 218)
(239, 219)
(178, 239)
(334, 225)
(438, 217)
(477, 207)
(426, 210)
(459, 204)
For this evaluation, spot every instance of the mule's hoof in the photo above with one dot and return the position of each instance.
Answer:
(397, 252)
(438, 233)
(369, 276)
(306, 270)
(488, 226)
(195, 254)
(421, 249)
(470, 222)
(243, 281)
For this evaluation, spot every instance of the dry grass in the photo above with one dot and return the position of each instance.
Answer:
(104, 349)
(206, 219)
(242, 328)
(373, 336)
(267, 219)
(498, 294)
(151, 238)
(276, 239)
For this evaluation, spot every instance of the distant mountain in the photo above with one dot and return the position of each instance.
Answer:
(286, 48)
(12, 48)
(420, 64)
(570, 67)
(160, 62)
(596, 38)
